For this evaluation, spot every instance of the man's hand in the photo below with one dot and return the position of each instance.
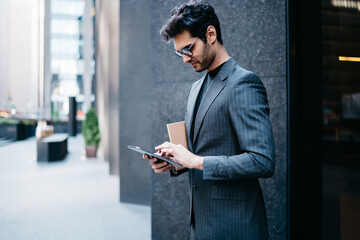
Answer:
(159, 167)
(180, 155)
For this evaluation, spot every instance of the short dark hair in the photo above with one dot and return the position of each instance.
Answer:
(194, 16)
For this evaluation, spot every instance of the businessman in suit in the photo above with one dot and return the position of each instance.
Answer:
(228, 130)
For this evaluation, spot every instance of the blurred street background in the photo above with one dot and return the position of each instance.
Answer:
(72, 199)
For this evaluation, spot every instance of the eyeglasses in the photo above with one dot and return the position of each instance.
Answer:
(186, 51)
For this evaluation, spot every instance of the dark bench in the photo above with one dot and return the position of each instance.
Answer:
(52, 148)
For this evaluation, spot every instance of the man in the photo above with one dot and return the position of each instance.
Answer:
(228, 130)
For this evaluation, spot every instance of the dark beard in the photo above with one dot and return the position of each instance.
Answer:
(208, 58)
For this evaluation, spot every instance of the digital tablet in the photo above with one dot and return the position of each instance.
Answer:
(138, 149)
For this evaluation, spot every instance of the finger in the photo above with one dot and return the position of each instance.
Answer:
(164, 169)
(150, 158)
(161, 154)
(157, 166)
(164, 145)
(167, 151)
(169, 155)
(161, 170)
(153, 161)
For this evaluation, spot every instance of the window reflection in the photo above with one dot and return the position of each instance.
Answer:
(341, 119)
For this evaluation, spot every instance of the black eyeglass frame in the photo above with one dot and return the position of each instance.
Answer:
(186, 50)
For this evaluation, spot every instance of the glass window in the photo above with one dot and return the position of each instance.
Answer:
(341, 118)
(65, 26)
(65, 47)
(67, 64)
(67, 7)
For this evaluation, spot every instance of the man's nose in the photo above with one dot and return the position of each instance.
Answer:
(186, 59)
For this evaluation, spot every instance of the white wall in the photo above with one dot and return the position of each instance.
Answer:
(23, 53)
(4, 6)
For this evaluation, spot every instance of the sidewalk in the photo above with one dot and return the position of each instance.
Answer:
(72, 199)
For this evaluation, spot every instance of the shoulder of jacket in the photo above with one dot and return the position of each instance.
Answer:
(239, 74)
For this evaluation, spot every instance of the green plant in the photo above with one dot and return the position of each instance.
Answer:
(9, 121)
(28, 122)
(90, 128)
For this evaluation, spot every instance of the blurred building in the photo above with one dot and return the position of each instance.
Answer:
(47, 51)
(72, 55)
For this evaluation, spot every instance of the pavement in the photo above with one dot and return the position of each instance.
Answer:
(4, 141)
(72, 199)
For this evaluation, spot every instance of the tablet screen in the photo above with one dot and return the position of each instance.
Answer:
(139, 150)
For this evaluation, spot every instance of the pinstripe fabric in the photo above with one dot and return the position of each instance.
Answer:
(232, 130)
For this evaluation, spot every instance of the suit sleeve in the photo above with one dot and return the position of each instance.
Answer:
(249, 117)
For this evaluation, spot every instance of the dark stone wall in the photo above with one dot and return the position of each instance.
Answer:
(154, 84)
(254, 33)
(135, 100)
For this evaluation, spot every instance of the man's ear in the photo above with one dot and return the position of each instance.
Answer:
(211, 34)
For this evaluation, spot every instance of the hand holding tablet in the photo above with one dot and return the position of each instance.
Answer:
(139, 150)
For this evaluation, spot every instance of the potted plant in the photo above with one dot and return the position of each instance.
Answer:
(91, 133)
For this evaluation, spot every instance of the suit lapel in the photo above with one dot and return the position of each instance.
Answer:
(215, 88)
(190, 107)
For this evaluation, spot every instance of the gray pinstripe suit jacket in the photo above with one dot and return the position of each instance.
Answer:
(233, 131)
